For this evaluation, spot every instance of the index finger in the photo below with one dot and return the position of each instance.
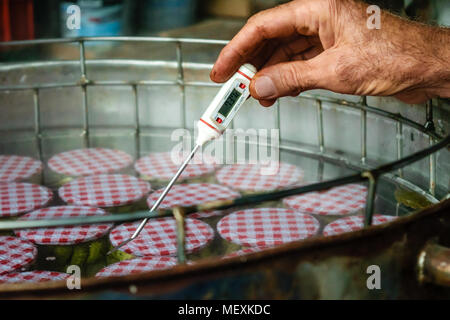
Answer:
(279, 22)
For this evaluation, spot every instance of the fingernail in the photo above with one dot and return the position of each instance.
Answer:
(265, 87)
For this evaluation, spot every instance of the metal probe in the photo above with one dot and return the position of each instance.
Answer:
(160, 199)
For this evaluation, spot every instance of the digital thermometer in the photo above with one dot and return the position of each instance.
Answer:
(225, 105)
(211, 125)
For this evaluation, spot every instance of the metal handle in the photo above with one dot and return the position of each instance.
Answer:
(434, 265)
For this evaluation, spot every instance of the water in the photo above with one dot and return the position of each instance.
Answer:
(91, 257)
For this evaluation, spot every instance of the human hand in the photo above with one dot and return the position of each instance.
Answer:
(326, 44)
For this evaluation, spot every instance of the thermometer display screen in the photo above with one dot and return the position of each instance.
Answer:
(230, 102)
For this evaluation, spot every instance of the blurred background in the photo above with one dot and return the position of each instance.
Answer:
(218, 19)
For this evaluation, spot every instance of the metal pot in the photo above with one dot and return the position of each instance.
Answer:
(51, 106)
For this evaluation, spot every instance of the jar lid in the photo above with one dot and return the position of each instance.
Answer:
(64, 235)
(251, 177)
(15, 254)
(19, 197)
(16, 168)
(33, 276)
(104, 190)
(90, 161)
(336, 201)
(160, 166)
(137, 265)
(192, 194)
(353, 223)
(159, 237)
(266, 227)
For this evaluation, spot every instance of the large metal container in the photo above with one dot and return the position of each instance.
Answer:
(134, 92)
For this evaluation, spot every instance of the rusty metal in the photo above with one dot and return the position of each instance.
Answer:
(333, 267)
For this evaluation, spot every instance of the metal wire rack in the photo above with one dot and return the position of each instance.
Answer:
(366, 173)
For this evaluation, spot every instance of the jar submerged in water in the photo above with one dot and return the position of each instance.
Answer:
(98, 18)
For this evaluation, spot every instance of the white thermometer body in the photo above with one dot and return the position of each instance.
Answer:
(211, 125)
(225, 105)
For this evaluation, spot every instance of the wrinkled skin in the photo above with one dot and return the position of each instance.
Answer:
(326, 44)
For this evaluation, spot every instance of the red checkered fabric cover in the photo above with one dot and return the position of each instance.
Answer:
(353, 223)
(15, 254)
(104, 190)
(192, 194)
(19, 197)
(266, 227)
(160, 166)
(335, 201)
(17, 168)
(93, 161)
(64, 235)
(137, 265)
(158, 238)
(249, 177)
(33, 276)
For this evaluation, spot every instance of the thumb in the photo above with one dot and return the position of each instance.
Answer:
(289, 78)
